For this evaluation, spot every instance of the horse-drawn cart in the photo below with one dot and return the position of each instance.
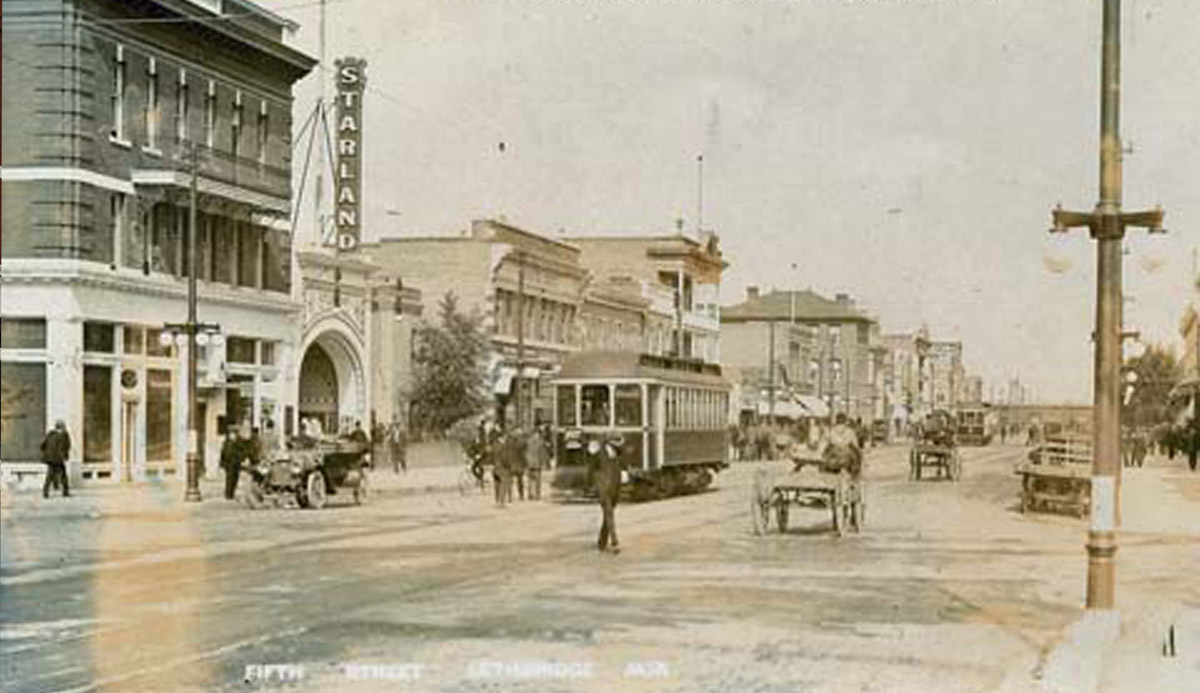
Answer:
(936, 447)
(821, 483)
(944, 459)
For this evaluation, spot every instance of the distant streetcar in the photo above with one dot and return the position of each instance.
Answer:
(671, 414)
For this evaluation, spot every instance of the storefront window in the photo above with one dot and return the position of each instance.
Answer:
(566, 405)
(154, 346)
(158, 415)
(595, 405)
(97, 414)
(22, 409)
(23, 333)
(629, 405)
(239, 350)
(98, 337)
(134, 337)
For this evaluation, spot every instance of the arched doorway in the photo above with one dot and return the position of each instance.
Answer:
(331, 383)
(319, 388)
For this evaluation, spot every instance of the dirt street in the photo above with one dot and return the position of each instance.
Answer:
(948, 588)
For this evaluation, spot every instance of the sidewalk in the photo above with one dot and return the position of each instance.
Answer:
(432, 468)
(1158, 592)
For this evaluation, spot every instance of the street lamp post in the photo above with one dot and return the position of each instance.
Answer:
(1107, 224)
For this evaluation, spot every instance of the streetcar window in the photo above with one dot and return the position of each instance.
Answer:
(629, 405)
(595, 405)
(566, 405)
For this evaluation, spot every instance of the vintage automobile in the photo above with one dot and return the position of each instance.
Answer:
(309, 473)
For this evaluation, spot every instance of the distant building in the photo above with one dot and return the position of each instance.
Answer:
(690, 269)
(823, 346)
(528, 288)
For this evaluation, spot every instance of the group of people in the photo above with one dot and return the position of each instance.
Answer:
(516, 457)
(247, 446)
(763, 442)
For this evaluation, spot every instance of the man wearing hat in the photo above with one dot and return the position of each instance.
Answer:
(605, 454)
(56, 448)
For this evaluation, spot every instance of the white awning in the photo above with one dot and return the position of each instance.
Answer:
(783, 408)
(814, 406)
(504, 378)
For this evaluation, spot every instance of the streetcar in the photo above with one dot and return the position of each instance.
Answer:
(671, 416)
(972, 427)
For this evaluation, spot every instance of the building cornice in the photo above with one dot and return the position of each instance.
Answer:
(86, 274)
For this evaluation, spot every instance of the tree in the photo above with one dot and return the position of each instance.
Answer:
(1157, 373)
(449, 359)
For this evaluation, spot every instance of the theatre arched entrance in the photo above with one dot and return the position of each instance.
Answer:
(331, 382)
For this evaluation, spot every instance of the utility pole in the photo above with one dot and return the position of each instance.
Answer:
(520, 382)
(771, 369)
(192, 493)
(1107, 224)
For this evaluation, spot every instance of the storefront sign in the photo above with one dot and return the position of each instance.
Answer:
(348, 135)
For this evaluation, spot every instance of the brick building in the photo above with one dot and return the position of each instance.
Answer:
(823, 346)
(689, 268)
(101, 101)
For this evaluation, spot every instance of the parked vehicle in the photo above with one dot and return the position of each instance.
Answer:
(309, 474)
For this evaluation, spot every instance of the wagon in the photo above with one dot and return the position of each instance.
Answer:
(944, 459)
(813, 485)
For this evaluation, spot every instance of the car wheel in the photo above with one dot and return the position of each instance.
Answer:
(315, 490)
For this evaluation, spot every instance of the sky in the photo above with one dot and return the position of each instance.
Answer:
(907, 152)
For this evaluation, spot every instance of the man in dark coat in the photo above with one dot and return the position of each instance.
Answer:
(56, 448)
(605, 459)
(234, 451)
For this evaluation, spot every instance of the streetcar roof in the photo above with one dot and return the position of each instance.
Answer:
(592, 365)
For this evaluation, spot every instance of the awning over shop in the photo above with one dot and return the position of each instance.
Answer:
(816, 408)
(783, 408)
(504, 378)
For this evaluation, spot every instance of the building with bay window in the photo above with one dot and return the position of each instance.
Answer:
(104, 103)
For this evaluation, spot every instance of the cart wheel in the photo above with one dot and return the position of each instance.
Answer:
(363, 489)
(315, 490)
(781, 515)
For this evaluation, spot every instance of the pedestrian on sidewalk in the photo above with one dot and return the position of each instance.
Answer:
(397, 439)
(56, 448)
(501, 470)
(517, 465)
(605, 460)
(535, 461)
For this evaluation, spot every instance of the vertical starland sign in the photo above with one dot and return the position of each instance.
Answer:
(348, 182)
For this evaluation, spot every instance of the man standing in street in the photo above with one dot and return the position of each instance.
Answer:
(605, 457)
(515, 453)
(56, 448)
(234, 451)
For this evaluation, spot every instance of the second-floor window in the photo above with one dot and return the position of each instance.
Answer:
(262, 134)
(151, 112)
(210, 115)
(118, 94)
(181, 109)
(235, 128)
